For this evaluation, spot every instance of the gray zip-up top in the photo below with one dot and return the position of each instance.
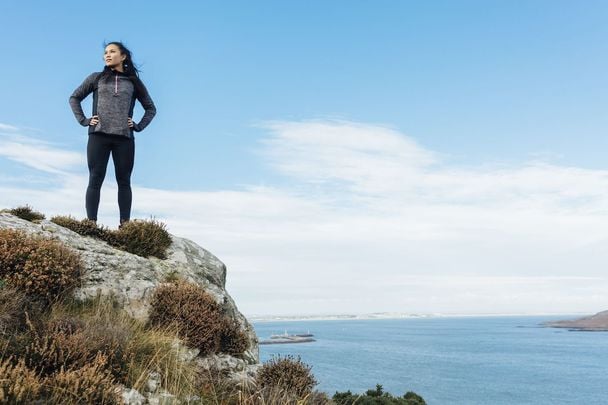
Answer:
(113, 101)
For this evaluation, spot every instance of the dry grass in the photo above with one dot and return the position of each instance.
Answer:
(134, 350)
(217, 389)
(18, 384)
(90, 384)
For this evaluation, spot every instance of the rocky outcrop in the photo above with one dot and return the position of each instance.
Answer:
(597, 322)
(132, 279)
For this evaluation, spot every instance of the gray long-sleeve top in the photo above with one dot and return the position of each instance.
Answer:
(113, 101)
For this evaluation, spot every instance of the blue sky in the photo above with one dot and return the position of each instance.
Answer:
(328, 149)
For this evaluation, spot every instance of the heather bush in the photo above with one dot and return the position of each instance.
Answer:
(144, 238)
(84, 227)
(133, 350)
(42, 268)
(232, 339)
(26, 212)
(72, 343)
(12, 314)
(215, 387)
(287, 373)
(199, 319)
(141, 237)
(68, 339)
(89, 384)
(18, 384)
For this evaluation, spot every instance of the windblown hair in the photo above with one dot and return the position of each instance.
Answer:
(130, 68)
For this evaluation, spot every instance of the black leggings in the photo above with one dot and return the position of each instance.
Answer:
(123, 155)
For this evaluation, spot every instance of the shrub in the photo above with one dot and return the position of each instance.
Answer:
(133, 351)
(377, 397)
(233, 340)
(42, 268)
(12, 314)
(70, 342)
(26, 212)
(144, 238)
(216, 387)
(413, 399)
(75, 332)
(197, 316)
(90, 384)
(84, 227)
(141, 237)
(287, 373)
(18, 384)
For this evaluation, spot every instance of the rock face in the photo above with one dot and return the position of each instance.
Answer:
(132, 278)
(597, 322)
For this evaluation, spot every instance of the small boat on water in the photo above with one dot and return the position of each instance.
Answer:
(287, 338)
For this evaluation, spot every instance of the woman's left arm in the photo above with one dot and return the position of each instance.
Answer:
(149, 109)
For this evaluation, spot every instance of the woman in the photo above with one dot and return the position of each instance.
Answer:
(111, 126)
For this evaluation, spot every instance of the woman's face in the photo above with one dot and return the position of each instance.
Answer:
(112, 56)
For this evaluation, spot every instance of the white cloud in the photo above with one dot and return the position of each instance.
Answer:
(38, 154)
(375, 222)
(8, 128)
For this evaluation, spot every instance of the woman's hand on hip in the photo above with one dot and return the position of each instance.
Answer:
(130, 121)
(94, 120)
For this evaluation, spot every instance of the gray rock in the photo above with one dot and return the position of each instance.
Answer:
(132, 397)
(164, 398)
(239, 371)
(153, 382)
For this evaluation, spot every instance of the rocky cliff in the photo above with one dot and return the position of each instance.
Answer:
(132, 279)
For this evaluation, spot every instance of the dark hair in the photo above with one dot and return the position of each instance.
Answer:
(130, 69)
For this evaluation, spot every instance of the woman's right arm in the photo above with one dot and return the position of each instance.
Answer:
(80, 94)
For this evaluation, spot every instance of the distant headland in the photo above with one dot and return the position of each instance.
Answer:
(597, 322)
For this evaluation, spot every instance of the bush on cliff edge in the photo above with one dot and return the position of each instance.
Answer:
(40, 267)
(141, 237)
(26, 212)
(288, 373)
(198, 317)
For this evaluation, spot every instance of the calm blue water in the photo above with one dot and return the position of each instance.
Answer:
(480, 360)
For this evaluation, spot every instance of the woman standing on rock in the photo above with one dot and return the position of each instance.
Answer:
(111, 126)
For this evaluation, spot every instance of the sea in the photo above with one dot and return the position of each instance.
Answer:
(452, 360)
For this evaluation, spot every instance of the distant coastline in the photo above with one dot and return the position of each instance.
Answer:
(594, 323)
(389, 315)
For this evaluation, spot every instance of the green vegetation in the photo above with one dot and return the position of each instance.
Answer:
(377, 397)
